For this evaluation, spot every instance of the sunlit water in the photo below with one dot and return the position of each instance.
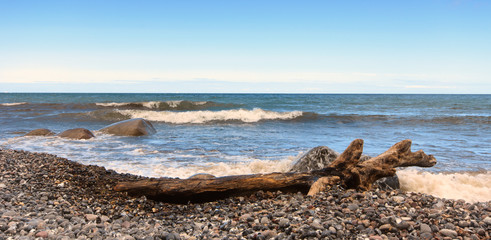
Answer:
(227, 134)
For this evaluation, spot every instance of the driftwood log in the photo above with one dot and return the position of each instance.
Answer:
(346, 170)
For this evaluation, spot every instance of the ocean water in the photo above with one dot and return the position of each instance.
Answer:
(228, 134)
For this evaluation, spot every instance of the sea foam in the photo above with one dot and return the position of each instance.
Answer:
(13, 104)
(218, 169)
(469, 186)
(196, 117)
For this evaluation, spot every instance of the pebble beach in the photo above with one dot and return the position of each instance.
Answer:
(43, 196)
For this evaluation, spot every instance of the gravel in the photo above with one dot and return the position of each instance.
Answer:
(46, 197)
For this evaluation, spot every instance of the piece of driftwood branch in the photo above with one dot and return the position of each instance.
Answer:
(346, 170)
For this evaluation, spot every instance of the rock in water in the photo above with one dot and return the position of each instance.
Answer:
(315, 159)
(202, 176)
(40, 132)
(320, 157)
(132, 127)
(77, 133)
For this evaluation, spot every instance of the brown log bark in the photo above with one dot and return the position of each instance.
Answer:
(345, 170)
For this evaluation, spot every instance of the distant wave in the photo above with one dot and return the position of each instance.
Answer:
(13, 104)
(179, 105)
(199, 117)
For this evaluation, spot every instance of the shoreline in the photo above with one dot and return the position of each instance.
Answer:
(44, 196)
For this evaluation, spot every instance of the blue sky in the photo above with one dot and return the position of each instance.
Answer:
(431, 46)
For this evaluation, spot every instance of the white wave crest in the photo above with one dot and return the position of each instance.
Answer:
(150, 104)
(13, 104)
(112, 104)
(469, 186)
(243, 115)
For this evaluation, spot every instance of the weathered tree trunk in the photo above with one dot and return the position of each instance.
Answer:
(345, 170)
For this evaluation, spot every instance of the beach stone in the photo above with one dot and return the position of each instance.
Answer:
(173, 236)
(448, 233)
(104, 218)
(398, 199)
(77, 133)
(375, 237)
(91, 217)
(386, 228)
(320, 157)
(426, 235)
(317, 225)
(464, 224)
(246, 218)
(425, 228)
(265, 221)
(353, 207)
(284, 223)
(42, 234)
(40, 132)
(449, 226)
(268, 234)
(481, 232)
(131, 127)
(487, 220)
(10, 214)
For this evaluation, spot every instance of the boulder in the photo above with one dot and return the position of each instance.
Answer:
(315, 159)
(202, 176)
(40, 132)
(77, 133)
(132, 127)
(320, 157)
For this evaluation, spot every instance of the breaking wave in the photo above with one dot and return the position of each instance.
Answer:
(469, 186)
(179, 105)
(199, 117)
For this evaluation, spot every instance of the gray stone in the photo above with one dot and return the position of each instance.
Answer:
(398, 199)
(131, 127)
(448, 233)
(246, 218)
(9, 214)
(487, 220)
(353, 207)
(425, 228)
(317, 225)
(464, 224)
(426, 235)
(173, 236)
(265, 221)
(41, 132)
(403, 225)
(202, 176)
(317, 158)
(284, 223)
(77, 133)
(91, 217)
(449, 226)
(104, 218)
